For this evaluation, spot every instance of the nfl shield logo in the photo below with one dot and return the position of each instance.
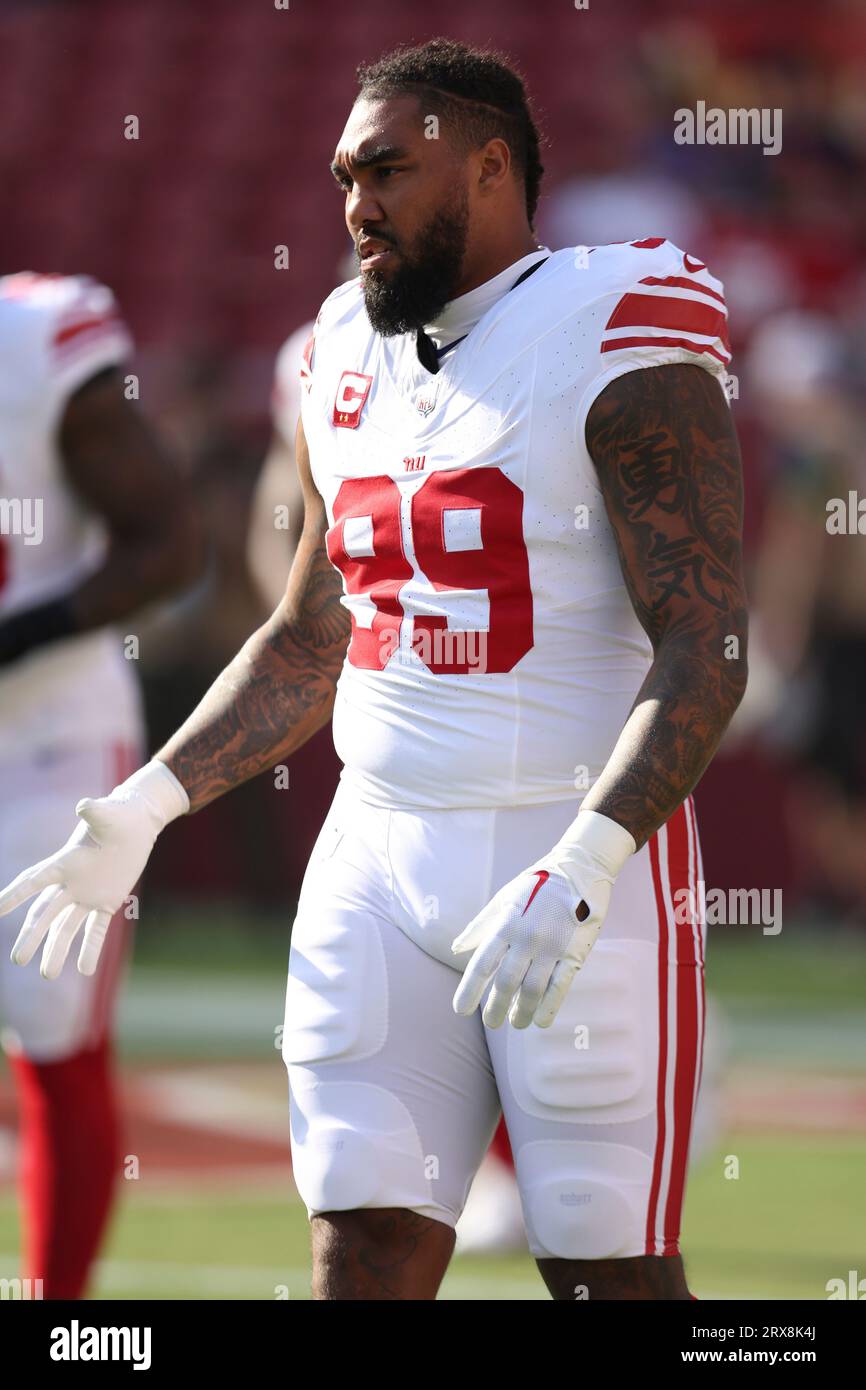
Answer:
(425, 401)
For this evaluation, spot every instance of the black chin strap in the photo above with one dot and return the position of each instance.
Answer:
(428, 353)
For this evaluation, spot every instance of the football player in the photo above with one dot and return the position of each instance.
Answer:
(95, 522)
(519, 590)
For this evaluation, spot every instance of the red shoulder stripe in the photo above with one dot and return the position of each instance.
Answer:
(73, 329)
(679, 282)
(663, 311)
(615, 344)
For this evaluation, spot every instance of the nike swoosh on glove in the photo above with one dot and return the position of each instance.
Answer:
(535, 934)
(89, 878)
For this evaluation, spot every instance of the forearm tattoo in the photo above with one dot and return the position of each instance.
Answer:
(275, 694)
(668, 463)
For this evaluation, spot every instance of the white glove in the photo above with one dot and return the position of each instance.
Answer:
(94, 872)
(534, 935)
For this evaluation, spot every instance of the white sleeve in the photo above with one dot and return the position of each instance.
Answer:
(291, 372)
(674, 313)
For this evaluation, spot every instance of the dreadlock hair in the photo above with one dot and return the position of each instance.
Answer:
(475, 91)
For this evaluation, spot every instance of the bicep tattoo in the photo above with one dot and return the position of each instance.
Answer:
(668, 462)
(664, 445)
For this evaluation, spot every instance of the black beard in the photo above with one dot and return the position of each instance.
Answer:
(420, 287)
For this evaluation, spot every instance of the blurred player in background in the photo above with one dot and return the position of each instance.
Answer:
(96, 523)
(523, 465)
(277, 512)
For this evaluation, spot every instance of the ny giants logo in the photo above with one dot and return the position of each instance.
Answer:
(352, 392)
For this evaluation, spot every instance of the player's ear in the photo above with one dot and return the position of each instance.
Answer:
(493, 165)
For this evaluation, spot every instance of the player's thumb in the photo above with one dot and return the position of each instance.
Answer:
(96, 816)
(473, 935)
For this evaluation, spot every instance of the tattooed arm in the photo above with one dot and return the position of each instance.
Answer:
(664, 445)
(668, 464)
(279, 689)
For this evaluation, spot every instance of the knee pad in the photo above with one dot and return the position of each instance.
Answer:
(355, 1145)
(584, 1200)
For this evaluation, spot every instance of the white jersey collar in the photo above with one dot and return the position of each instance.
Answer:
(461, 314)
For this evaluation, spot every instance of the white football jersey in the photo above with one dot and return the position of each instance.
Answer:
(494, 654)
(286, 393)
(56, 332)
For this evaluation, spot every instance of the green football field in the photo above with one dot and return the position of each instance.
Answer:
(775, 1208)
(794, 1219)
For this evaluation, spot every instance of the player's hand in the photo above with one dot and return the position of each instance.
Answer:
(536, 933)
(87, 880)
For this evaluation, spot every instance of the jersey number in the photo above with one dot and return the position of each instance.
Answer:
(487, 552)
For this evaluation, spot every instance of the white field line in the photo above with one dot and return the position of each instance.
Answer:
(204, 1099)
(228, 1281)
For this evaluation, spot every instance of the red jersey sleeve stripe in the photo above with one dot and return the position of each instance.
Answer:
(679, 282)
(663, 311)
(615, 344)
(73, 330)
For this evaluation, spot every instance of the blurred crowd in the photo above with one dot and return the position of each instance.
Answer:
(785, 803)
